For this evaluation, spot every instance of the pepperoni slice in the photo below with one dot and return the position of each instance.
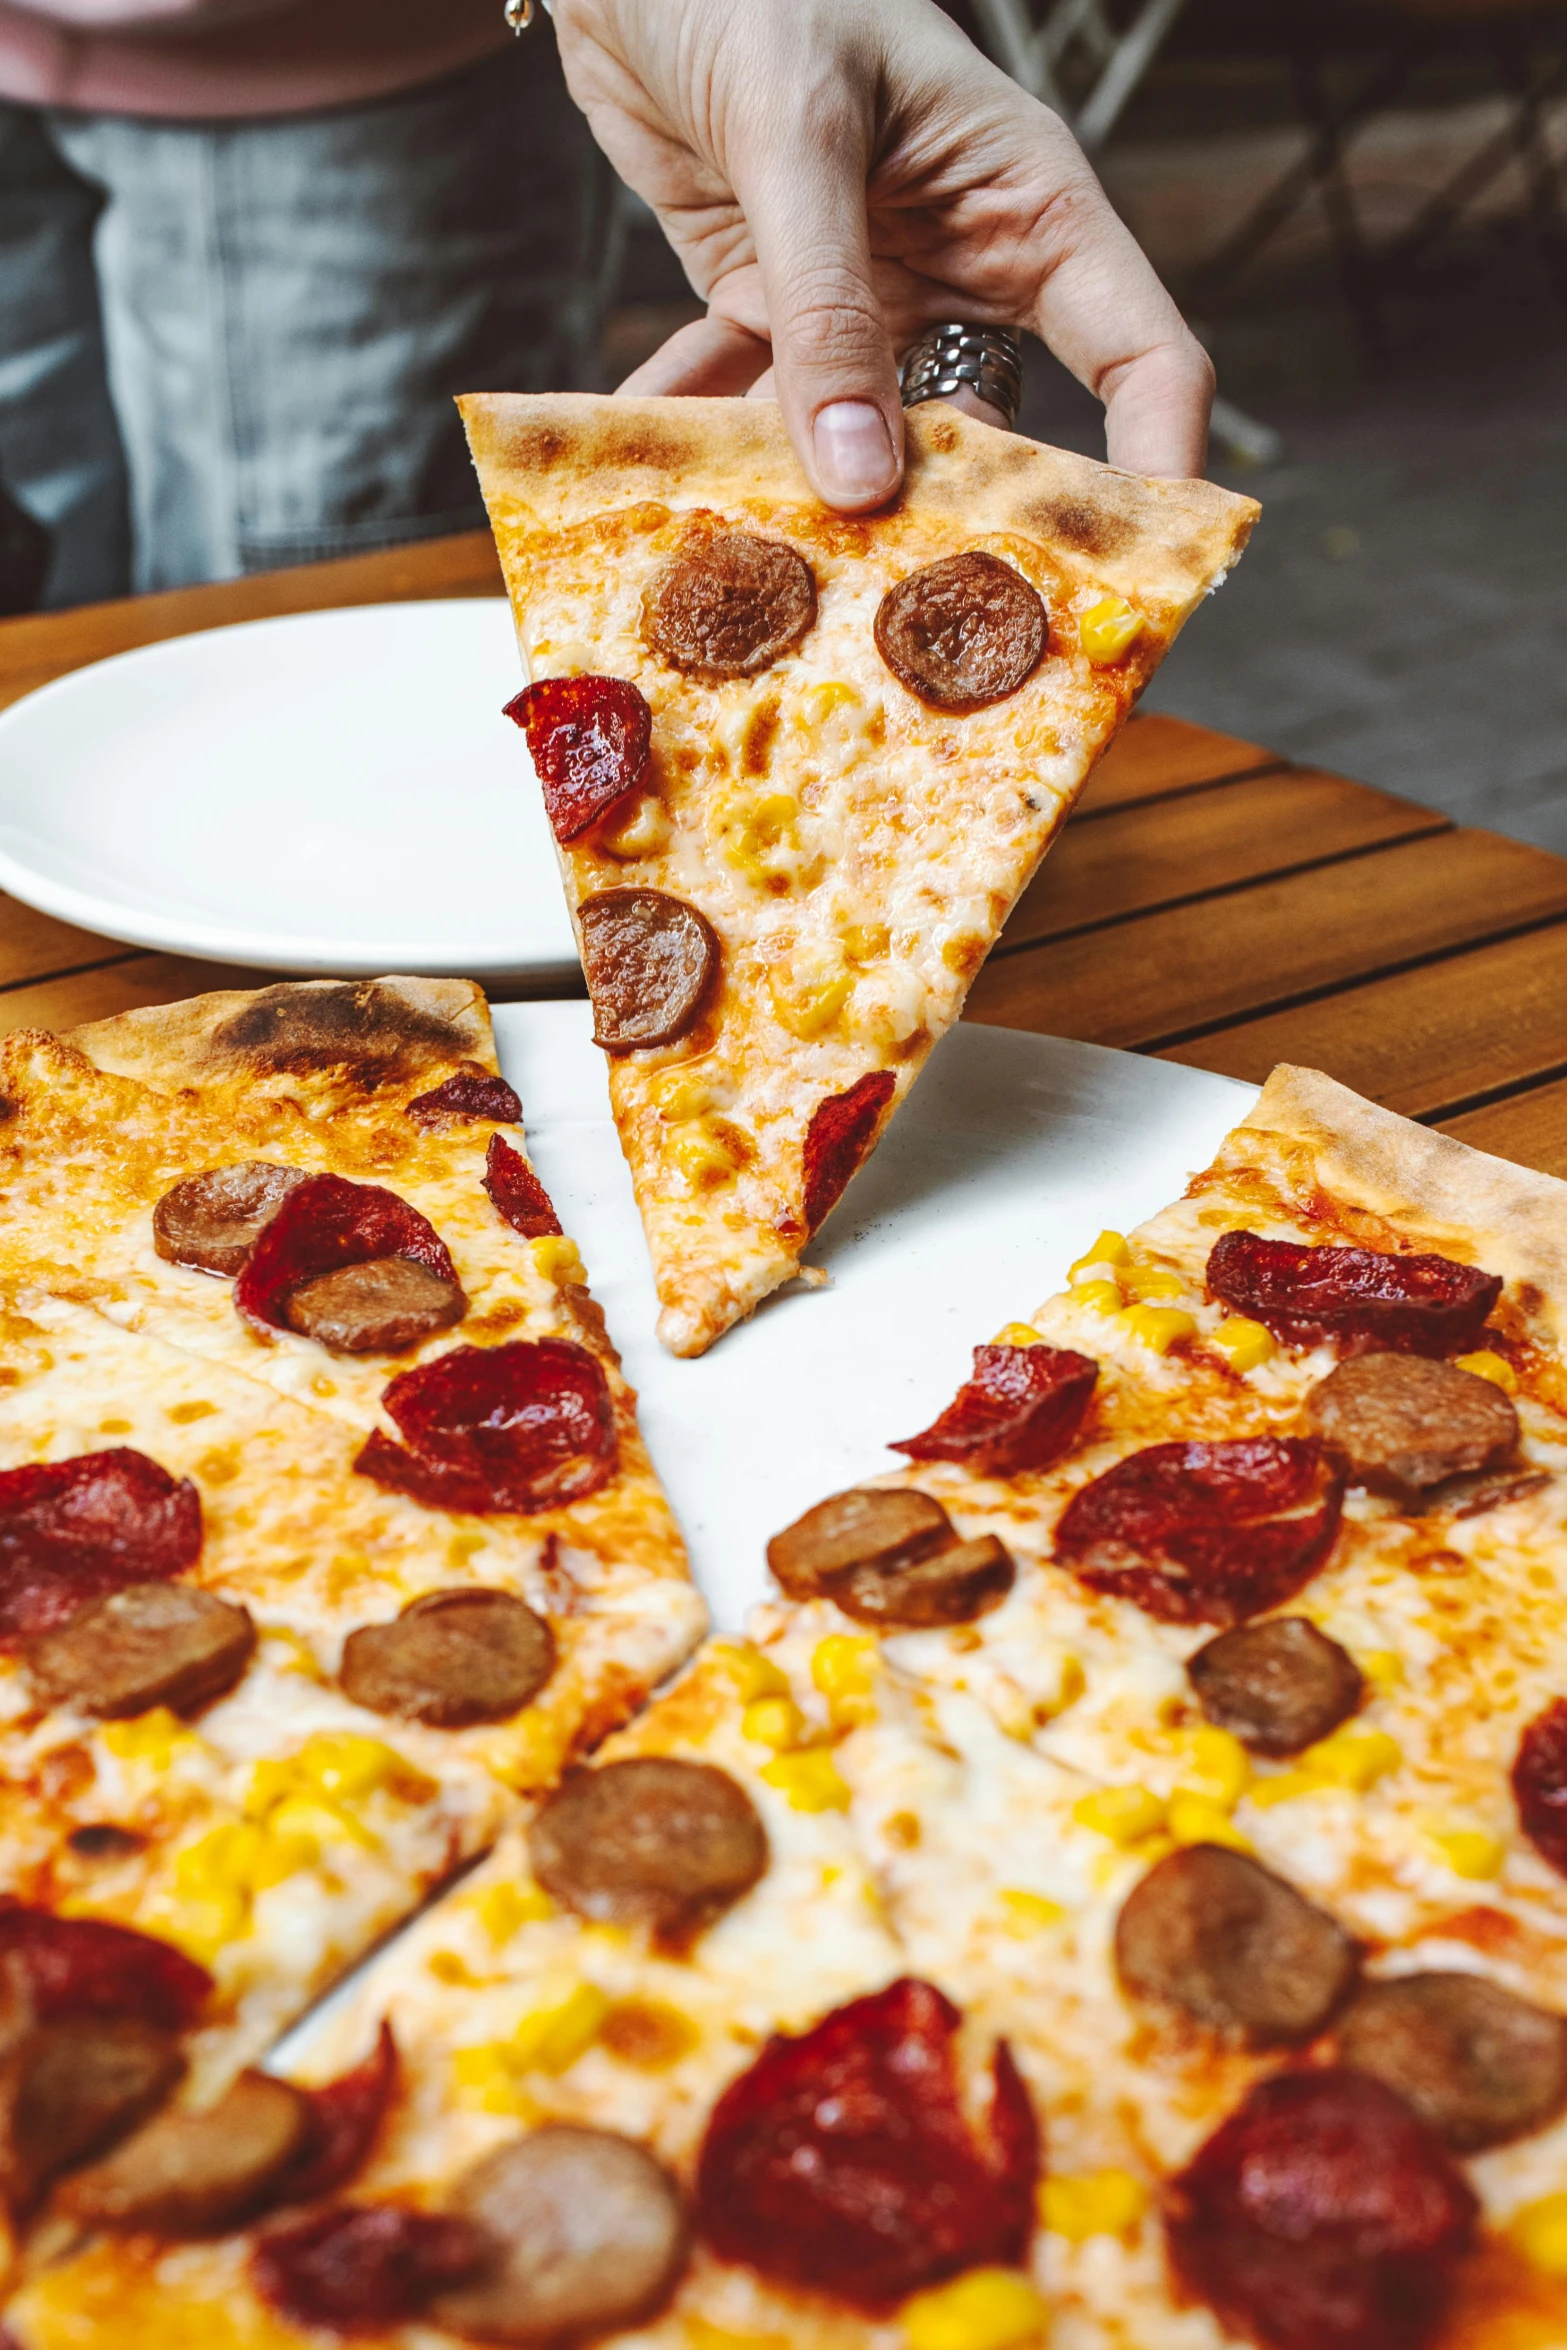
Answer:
(589, 738)
(516, 1193)
(76, 1967)
(1023, 1407)
(844, 2160)
(1322, 2216)
(839, 1139)
(357, 2267)
(329, 1232)
(1540, 1784)
(1364, 1298)
(1200, 1533)
(729, 605)
(649, 960)
(73, 1530)
(472, 1093)
(345, 2115)
(963, 632)
(525, 1427)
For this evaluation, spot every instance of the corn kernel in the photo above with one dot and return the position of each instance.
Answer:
(702, 2334)
(642, 831)
(319, 1823)
(680, 1093)
(1353, 1758)
(1100, 1297)
(988, 2309)
(1107, 628)
(844, 1665)
(155, 1737)
(558, 1260)
(753, 1674)
(648, 2034)
(341, 1766)
(1151, 1281)
(1540, 2232)
(759, 837)
(1197, 1819)
(1072, 1684)
(552, 2039)
(503, 1909)
(1220, 1765)
(1383, 1668)
(1111, 1248)
(1494, 1367)
(866, 942)
(1093, 2203)
(773, 1721)
(1468, 1852)
(1017, 1334)
(486, 2076)
(808, 997)
(1025, 1913)
(449, 1966)
(1157, 1327)
(1244, 1344)
(1282, 1787)
(702, 1158)
(807, 1780)
(1124, 1814)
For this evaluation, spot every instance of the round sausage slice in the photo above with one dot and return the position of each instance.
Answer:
(1213, 1933)
(729, 605)
(877, 1530)
(189, 2174)
(451, 1658)
(382, 1306)
(649, 960)
(68, 2090)
(1477, 2064)
(963, 632)
(212, 1221)
(1279, 1685)
(1403, 1423)
(589, 2231)
(953, 1587)
(649, 1841)
(150, 1644)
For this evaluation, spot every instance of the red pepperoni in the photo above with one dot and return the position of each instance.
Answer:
(844, 2161)
(1366, 1299)
(473, 1093)
(1022, 1408)
(75, 1530)
(589, 738)
(524, 1427)
(323, 1225)
(1540, 1784)
(839, 1137)
(345, 2116)
(359, 2267)
(516, 1191)
(1323, 2215)
(1200, 1533)
(77, 1967)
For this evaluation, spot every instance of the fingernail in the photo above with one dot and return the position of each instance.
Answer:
(855, 462)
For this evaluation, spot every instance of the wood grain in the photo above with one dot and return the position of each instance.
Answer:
(119, 987)
(1155, 755)
(1529, 1127)
(34, 945)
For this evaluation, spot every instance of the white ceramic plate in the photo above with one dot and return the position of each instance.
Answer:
(1011, 1154)
(331, 792)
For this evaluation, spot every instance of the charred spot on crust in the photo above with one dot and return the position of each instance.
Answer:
(1092, 530)
(296, 1031)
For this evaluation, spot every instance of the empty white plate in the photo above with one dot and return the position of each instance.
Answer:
(331, 792)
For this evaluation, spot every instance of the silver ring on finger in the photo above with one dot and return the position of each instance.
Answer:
(952, 358)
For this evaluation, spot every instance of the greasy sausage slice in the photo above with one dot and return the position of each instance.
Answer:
(68, 2090)
(150, 1644)
(879, 1530)
(729, 605)
(589, 2233)
(1479, 2065)
(649, 1841)
(380, 1307)
(1403, 1423)
(1213, 1933)
(188, 2174)
(450, 1658)
(212, 1221)
(962, 632)
(1279, 1685)
(649, 960)
(952, 1587)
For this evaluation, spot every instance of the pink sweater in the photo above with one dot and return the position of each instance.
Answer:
(191, 59)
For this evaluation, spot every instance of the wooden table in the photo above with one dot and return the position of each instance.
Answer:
(1208, 903)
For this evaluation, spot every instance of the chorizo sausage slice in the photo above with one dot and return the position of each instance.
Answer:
(381, 1307)
(962, 632)
(730, 604)
(150, 1644)
(211, 1222)
(649, 1841)
(189, 2174)
(953, 1587)
(451, 1658)
(68, 2090)
(1402, 1423)
(588, 2232)
(1479, 2065)
(1279, 1685)
(1212, 1932)
(877, 1529)
(649, 960)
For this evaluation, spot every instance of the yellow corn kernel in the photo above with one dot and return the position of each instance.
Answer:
(155, 1737)
(534, 1752)
(810, 994)
(1025, 1913)
(1540, 2232)
(1157, 1327)
(702, 1158)
(648, 2034)
(753, 1674)
(1486, 1365)
(988, 2309)
(558, 1260)
(1070, 1688)
(1107, 628)
(1220, 1767)
(1467, 1851)
(552, 2039)
(1017, 1334)
(343, 1767)
(1353, 1758)
(320, 1824)
(807, 1780)
(503, 1909)
(1093, 2203)
(1282, 1787)
(1100, 1297)
(642, 831)
(1150, 1281)
(1244, 1344)
(844, 1665)
(773, 1721)
(759, 837)
(486, 2076)
(1197, 1819)
(449, 1966)
(1383, 1668)
(681, 1093)
(1111, 1248)
(1124, 1814)
(818, 702)
(866, 942)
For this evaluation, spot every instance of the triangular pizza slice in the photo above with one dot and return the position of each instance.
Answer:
(800, 766)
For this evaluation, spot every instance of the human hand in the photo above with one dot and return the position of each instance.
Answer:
(837, 174)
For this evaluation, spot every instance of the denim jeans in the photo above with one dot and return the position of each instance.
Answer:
(225, 346)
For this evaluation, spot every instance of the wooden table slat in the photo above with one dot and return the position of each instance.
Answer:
(1530, 1127)
(36, 946)
(1156, 755)
(119, 987)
